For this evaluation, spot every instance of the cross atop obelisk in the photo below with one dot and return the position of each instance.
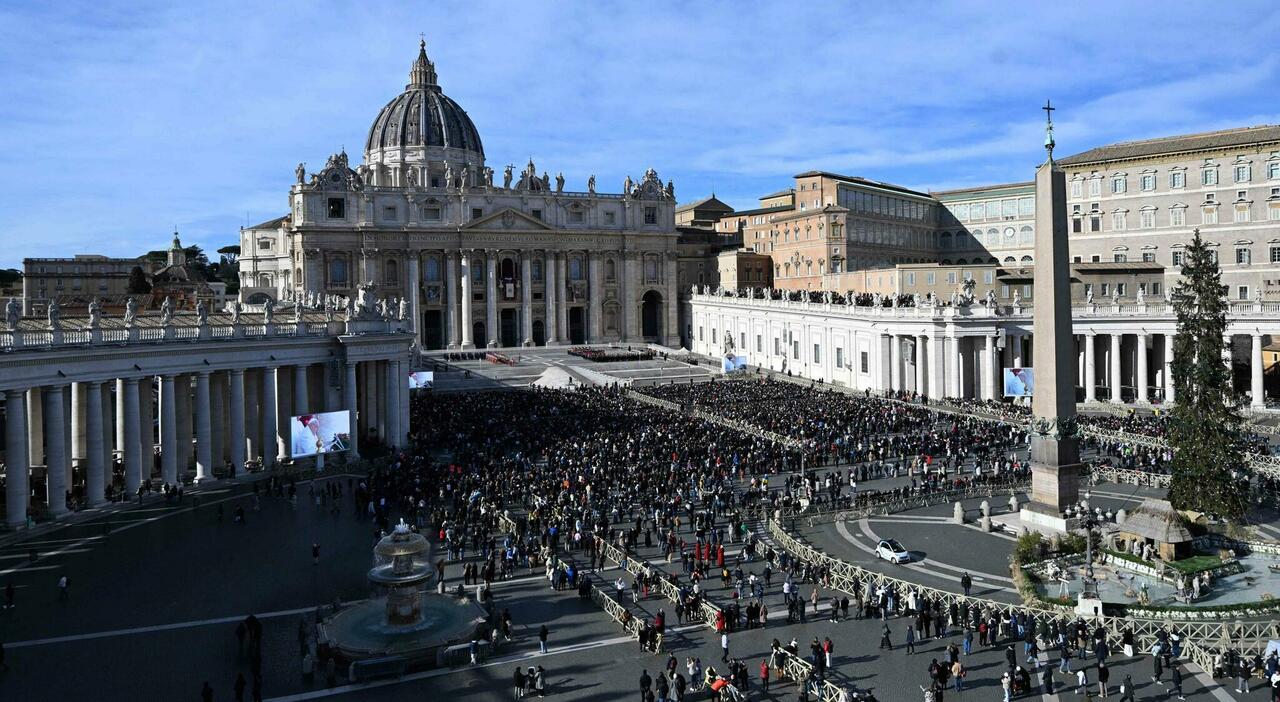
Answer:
(1055, 454)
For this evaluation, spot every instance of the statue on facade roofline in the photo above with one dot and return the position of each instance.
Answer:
(546, 182)
(991, 299)
(95, 313)
(448, 175)
(626, 186)
(1088, 296)
(404, 309)
(13, 313)
(202, 312)
(349, 308)
(300, 173)
(1115, 295)
(268, 311)
(591, 184)
(560, 182)
(1141, 297)
(671, 189)
(130, 311)
(55, 314)
(235, 312)
(506, 177)
(411, 176)
(166, 311)
(488, 177)
(915, 299)
(297, 311)
(1017, 299)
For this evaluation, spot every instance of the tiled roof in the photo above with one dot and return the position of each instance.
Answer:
(1204, 141)
(271, 223)
(862, 181)
(705, 203)
(982, 188)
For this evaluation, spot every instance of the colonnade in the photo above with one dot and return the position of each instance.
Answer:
(94, 437)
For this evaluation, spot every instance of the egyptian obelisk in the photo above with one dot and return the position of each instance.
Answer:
(1055, 451)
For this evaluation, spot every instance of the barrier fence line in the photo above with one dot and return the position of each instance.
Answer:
(852, 579)
(707, 612)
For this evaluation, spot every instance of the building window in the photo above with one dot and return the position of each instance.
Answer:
(1120, 258)
(986, 277)
(1177, 179)
(1004, 291)
(911, 279)
(1077, 189)
(537, 214)
(1242, 292)
(431, 214)
(651, 269)
(650, 215)
(1209, 176)
(1210, 215)
(1148, 257)
(1148, 181)
(759, 343)
(817, 354)
(930, 278)
(863, 363)
(1177, 217)
(1155, 289)
(1118, 221)
(576, 216)
(839, 357)
(1095, 187)
(1120, 289)
(608, 217)
(431, 269)
(951, 277)
(1119, 184)
(1095, 223)
(391, 272)
(1177, 258)
(1275, 254)
(264, 244)
(338, 271)
(1273, 170)
(1077, 224)
(1273, 212)
(1095, 258)
(1243, 256)
(337, 208)
(1242, 173)
(477, 213)
(1088, 288)
(1147, 219)
(1106, 289)
(700, 334)
(535, 270)
(389, 213)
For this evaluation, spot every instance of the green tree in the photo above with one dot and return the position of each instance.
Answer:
(138, 283)
(1205, 430)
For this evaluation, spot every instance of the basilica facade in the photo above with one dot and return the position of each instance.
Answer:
(481, 259)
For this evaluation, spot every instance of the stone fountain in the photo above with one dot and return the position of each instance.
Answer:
(402, 619)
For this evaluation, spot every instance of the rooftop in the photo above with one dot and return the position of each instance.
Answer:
(858, 180)
(707, 203)
(763, 210)
(981, 189)
(1204, 141)
(271, 223)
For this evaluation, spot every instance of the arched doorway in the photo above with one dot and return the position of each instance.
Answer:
(539, 333)
(433, 329)
(509, 328)
(577, 325)
(477, 334)
(651, 316)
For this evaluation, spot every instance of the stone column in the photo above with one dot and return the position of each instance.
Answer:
(182, 388)
(78, 417)
(130, 419)
(108, 434)
(146, 427)
(253, 414)
(168, 431)
(1169, 393)
(467, 342)
(390, 404)
(957, 386)
(204, 423)
(268, 412)
(562, 305)
(17, 469)
(937, 372)
(412, 289)
(451, 297)
(549, 295)
(349, 401)
(95, 466)
(1255, 373)
(595, 295)
(491, 300)
(1015, 341)
(218, 419)
(1090, 372)
(56, 452)
(526, 298)
(920, 364)
(1114, 362)
(300, 402)
(895, 362)
(1141, 373)
(991, 372)
(235, 378)
(671, 302)
(629, 284)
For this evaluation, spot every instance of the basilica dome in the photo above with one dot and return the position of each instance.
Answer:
(423, 123)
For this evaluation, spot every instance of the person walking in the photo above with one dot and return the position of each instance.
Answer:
(764, 676)
(64, 594)
(1104, 676)
(724, 647)
(540, 681)
(543, 633)
(315, 554)
(646, 682)
(1176, 680)
(911, 640)
(1126, 689)
(966, 583)
(517, 680)
(884, 638)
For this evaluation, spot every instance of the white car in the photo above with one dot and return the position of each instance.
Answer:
(892, 551)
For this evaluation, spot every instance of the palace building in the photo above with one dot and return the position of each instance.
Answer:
(521, 261)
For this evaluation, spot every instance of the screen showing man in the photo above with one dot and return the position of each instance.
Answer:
(1019, 382)
(326, 432)
(421, 380)
(733, 362)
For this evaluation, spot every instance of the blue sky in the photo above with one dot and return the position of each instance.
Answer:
(122, 121)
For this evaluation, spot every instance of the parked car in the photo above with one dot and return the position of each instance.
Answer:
(892, 551)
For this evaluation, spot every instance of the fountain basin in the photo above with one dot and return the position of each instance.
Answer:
(361, 631)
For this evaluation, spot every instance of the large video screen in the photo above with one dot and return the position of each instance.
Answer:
(734, 362)
(326, 432)
(421, 379)
(1019, 382)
